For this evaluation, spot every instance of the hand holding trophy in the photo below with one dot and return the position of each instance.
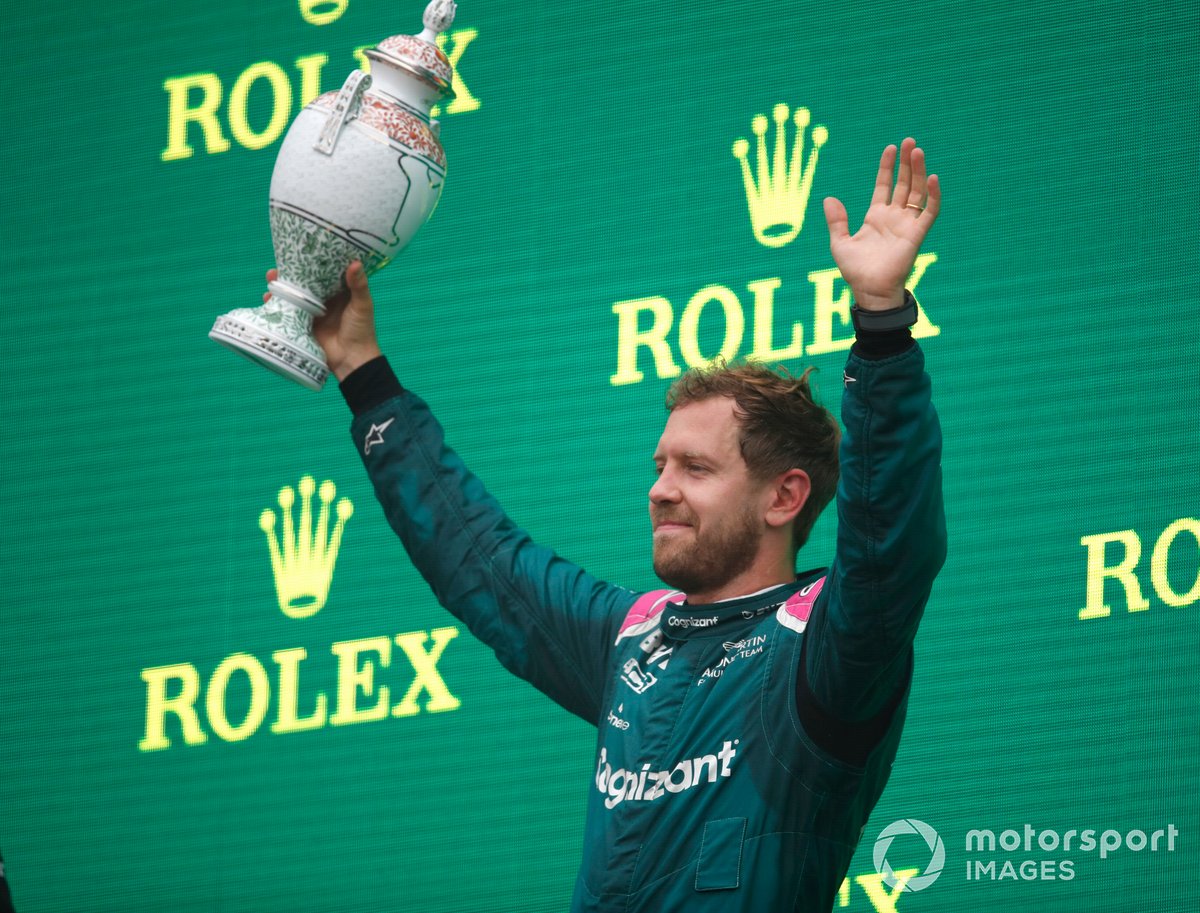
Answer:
(359, 172)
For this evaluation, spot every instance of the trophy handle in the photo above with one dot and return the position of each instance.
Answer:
(345, 106)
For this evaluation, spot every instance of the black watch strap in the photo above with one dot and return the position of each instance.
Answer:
(882, 321)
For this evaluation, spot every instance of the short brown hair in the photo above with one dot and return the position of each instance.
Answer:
(782, 427)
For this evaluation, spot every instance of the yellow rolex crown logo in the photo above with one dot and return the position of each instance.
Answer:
(303, 561)
(778, 187)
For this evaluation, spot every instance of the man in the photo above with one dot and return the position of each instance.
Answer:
(747, 721)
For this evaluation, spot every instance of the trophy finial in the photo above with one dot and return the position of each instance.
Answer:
(439, 15)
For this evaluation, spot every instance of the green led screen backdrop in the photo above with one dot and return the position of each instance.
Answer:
(175, 735)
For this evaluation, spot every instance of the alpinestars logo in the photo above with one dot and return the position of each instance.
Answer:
(646, 785)
(375, 436)
(303, 562)
(777, 190)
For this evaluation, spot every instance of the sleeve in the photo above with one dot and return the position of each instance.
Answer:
(6, 902)
(548, 621)
(891, 543)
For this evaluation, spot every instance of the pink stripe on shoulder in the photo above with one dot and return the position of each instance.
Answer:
(646, 609)
(794, 613)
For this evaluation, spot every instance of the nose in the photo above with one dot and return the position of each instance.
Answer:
(664, 490)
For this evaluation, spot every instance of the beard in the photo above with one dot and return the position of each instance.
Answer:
(710, 557)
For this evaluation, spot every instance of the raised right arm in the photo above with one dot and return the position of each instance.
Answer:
(548, 621)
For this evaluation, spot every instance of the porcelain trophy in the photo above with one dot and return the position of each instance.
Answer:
(358, 173)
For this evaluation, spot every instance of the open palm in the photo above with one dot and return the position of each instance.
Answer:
(877, 259)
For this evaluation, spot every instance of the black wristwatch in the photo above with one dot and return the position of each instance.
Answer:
(882, 321)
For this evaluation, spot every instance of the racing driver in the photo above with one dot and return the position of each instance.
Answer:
(749, 715)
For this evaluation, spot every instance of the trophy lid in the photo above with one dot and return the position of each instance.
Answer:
(419, 54)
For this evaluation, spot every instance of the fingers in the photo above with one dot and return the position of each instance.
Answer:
(354, 299)
(916, 192)
(883, 178)
(837, 219)
(360, 292)
(356, 283)
(272, 275)
(904, 181)
(933, 204)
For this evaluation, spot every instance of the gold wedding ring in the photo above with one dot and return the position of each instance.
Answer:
(914, 206)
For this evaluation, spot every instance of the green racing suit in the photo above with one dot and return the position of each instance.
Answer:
(741, 746)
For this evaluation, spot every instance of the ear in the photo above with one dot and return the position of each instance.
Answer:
(788, 494)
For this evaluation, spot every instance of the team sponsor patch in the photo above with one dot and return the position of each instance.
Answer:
(617, 722)
(636, 677)
(734, 651)
(686, 621)
(646, 785)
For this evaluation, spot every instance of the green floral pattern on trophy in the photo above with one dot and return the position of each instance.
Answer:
(315, 258)
(277, 335)
(287, 322)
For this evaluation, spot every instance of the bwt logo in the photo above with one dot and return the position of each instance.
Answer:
(909, 879)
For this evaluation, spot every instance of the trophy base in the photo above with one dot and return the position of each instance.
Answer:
(277, 336)
(289, 291)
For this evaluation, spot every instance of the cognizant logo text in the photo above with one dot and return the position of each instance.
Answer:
(676, 621)
(646, 785)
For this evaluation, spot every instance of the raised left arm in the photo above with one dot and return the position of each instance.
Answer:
(891, 522)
